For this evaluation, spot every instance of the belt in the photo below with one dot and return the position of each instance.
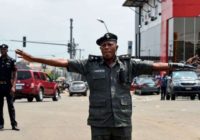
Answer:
(3, 82)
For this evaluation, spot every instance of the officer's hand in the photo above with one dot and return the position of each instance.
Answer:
(194, 60)
(12, 91)
(24, 55)
(189, 66)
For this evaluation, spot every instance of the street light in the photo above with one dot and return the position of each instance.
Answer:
(100, 20)
(55, 70)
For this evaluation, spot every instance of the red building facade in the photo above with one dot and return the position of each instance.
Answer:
(172, 9)
(179, 27)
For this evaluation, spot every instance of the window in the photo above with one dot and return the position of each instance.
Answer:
(36, 76)
(23, 75)
(43, 76)
(184, 36)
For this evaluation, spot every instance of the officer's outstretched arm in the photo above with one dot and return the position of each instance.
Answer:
(51, 62)
(159, 66)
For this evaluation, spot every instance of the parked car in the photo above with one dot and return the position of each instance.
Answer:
(145, 85)
(183, 83)
(35, 84)
(78, 87)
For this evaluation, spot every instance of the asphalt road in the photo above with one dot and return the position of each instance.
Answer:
(67, 119)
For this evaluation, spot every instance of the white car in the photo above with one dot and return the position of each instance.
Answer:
(78, 87)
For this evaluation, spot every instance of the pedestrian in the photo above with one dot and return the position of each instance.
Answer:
(8, 76)
(109, 78)
(163, 86)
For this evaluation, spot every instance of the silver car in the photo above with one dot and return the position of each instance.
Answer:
(183, 83)
(78, 87)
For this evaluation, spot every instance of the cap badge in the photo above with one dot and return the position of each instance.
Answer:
(107, 36)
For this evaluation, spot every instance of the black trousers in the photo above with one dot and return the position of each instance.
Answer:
(5, 92)
(163, 92)
(111, 133)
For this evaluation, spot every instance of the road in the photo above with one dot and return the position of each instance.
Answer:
(67, 119)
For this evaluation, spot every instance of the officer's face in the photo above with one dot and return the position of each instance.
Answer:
(108, 49)
(4, 51)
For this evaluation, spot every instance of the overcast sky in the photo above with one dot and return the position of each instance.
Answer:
(49, 21)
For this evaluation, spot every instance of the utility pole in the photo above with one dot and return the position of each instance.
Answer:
(74, 48)
(72, 45)
(71, 39)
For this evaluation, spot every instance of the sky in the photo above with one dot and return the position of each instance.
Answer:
(49, 21)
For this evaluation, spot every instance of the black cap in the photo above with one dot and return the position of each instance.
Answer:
(3, 46)
(106, 37)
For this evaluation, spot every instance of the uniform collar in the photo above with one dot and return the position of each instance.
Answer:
(116, 61)
(6, 57)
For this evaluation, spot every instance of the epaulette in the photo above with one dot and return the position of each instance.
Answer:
(94, 58)
(124, 57)
(11, 59)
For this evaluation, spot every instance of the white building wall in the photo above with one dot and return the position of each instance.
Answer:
(151, 28)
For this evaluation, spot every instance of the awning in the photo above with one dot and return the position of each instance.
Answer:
(134, 3)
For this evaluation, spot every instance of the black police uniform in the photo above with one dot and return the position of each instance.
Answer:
(163, 87)
(110, 103)
(7, 66)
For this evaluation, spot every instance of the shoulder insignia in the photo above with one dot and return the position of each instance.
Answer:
(125, 57)
(94, 58)
(13, 60)
(10, 58)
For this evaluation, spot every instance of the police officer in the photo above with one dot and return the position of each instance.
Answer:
(8, 73)
(109, 78)
(163, 86)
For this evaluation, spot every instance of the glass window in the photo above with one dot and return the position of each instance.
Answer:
(184, 36)
(179, 39)
(23, 75)
(42, 76)
(36, 75)
(189, 37)
(197, 33)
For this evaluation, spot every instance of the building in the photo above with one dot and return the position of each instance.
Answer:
(166, 30)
